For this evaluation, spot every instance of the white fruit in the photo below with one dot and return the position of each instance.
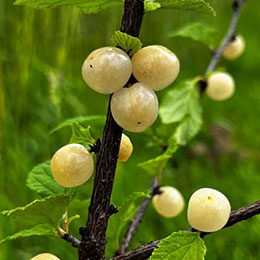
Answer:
(169, 203)
(235, 48)
(126, 148)
(135, 108)
(107, 69)
(45, 256)
(208, 210)
(220, 86)
(155, 66)
(72, 165)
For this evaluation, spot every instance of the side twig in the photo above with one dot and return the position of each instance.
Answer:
(236, 216)
(69, 238)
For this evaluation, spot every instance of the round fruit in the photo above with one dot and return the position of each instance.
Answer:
(220, 86)
(169, 203)
(107, 69)
(126, 148)
(155, 66)
(208, 210)
(135, 108)
(72, 165)
(45, 256)
(235, 48)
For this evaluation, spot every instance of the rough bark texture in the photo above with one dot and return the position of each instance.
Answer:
(93, 242)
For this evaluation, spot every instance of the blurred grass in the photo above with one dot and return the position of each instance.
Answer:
(41, 53)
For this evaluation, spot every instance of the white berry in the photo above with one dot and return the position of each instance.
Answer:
(208, 210)
(107, 69)
(155, 66)
(220, 86)
(45, 256)
(126, 148)
(235, 48)
(72, 165)
(169, 203)
(135, 108)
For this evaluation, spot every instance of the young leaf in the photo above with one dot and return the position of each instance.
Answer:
(190, 5)
(41, 180)
(45, 211)
(127, 42)
(180, 246)
(151, 5)
(87, 6)
(96, 119)
(39, 230)
(81, 134)
(198, 32)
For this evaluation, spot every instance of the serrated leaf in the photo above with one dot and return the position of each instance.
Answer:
(118, 221)
(87, 6)
(96, 119)
(81, 134)
(180, 246)
(127, 42)
(39, 230)
(45, 211)
(190, 5)
(156, 165)
(178, 102)
(41, 180)
(198, 32)
(151, 5)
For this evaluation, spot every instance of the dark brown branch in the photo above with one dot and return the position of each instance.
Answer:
(93, 242)
(236, 216)
(69, 238)
(137, 218)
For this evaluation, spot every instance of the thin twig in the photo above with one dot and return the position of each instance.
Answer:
(236, 216)
(137, 218)
(69, 238)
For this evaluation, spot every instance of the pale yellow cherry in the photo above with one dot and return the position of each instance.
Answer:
(235, 48)
(126, 148)
(107, 69)
(208, 210)
(135, 108)
(72, 165)
(45, 256)
(220, 86)
(155, 66)
(169, 203)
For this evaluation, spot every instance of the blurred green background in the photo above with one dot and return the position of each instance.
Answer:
(41, 53)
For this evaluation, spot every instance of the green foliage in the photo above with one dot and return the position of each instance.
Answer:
(87, 6)
(126, 42)
(41, 180)
(81, 135)
(180, 246)
(151, 5)
(45, 211)
(198, 32)
(39, 230)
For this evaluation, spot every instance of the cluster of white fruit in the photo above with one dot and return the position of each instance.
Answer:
(45, 256)
(220, 85)
(108, 69)
(208, 209)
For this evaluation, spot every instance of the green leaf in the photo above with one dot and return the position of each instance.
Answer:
(179, 102)
(41, 180)
(156, 165)
(180, 246)
(96, 119)
(87, 6)
(45, 211)
(190, 5)
(127, 42)
(118, 221)
(81, 134)
(198, 32)
(151, 5)
(39, 230)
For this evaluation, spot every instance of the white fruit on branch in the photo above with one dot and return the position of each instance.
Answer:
(126, 148)
(45, 256)
(235, 48)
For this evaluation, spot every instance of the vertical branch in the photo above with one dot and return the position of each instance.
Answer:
(93, 242)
